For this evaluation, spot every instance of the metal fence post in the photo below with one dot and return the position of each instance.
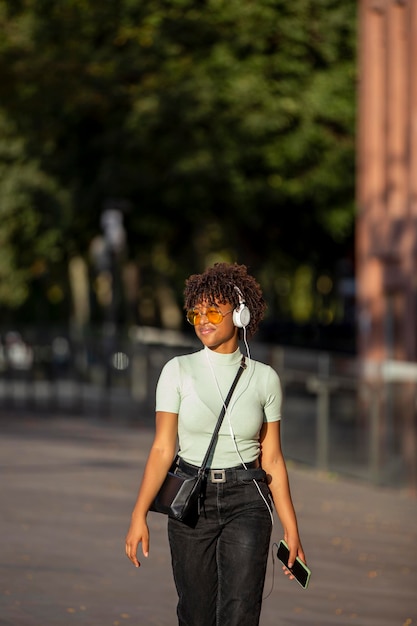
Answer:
(374, 436)
(322, 388)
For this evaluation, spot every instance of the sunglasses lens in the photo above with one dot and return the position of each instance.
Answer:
(213, 316)
(193, 317)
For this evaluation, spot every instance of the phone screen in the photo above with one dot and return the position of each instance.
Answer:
(299, 570)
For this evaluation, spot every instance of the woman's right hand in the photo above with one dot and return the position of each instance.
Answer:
(159, 461)
(137, 533)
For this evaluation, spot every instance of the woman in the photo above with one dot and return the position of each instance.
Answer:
(219, 565)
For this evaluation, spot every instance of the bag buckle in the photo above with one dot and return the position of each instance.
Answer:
(218, 476)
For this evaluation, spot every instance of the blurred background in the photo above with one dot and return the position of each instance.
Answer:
(143, 141)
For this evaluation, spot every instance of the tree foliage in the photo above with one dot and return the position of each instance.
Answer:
(226, 125)
(30, 209)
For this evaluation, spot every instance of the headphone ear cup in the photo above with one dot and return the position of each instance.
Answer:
(241, 316)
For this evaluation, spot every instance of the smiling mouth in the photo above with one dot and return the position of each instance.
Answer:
(206, 330)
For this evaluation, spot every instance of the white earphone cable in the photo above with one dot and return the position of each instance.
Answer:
(228, 416)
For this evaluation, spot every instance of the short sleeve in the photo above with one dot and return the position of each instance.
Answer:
(273, 397)
(168, 388)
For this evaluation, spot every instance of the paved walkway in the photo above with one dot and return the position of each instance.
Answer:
(67, 489)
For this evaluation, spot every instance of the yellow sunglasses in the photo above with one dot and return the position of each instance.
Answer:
(213, 315)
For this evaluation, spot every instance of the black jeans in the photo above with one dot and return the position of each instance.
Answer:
(219, 566)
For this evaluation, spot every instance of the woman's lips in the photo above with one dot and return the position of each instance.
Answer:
(206, 330)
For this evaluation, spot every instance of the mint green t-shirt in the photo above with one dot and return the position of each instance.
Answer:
(195, 385)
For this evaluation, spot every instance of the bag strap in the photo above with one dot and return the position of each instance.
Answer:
(242, 367)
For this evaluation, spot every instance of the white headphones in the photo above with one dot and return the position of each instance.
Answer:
(241, 315)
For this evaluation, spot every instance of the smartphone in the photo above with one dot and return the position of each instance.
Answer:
(299, 570)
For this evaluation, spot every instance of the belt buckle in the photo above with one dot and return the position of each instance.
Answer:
(218, 476)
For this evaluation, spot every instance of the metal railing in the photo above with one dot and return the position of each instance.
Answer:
(337, 416)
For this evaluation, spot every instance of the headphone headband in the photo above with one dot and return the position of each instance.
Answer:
(240, 294)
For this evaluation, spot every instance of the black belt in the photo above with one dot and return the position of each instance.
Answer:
(239, 473)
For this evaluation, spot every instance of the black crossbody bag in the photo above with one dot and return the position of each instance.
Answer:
(180, 497)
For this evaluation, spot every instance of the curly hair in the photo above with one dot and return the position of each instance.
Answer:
(217, 284)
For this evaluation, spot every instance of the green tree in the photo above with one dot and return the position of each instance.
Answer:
(227, 125)
(30, 210)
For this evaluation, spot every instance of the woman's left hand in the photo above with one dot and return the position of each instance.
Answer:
(296, 549)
